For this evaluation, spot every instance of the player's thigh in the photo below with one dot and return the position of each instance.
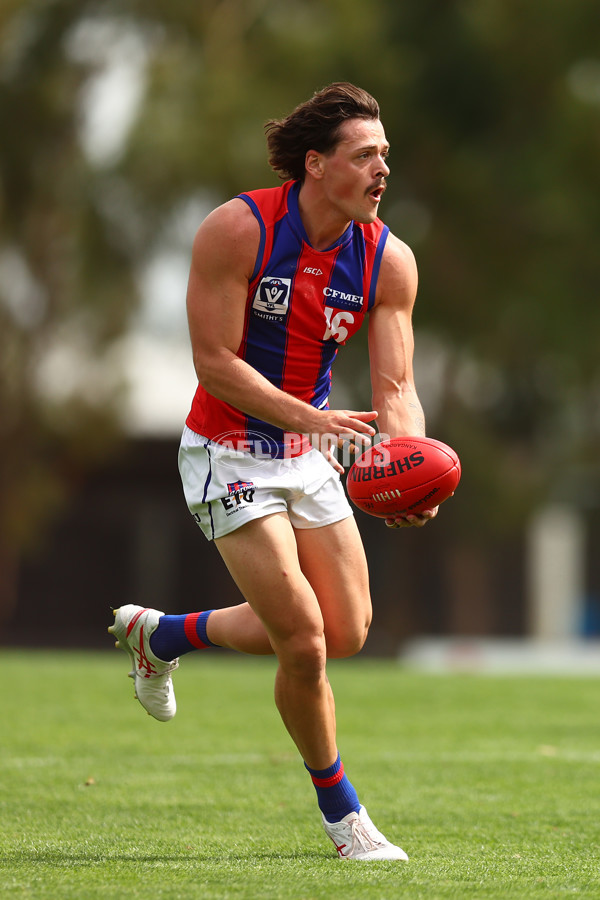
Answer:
(263, 560)
(334, 562)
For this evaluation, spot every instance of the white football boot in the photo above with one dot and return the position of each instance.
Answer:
(153, 685)
(355, 837)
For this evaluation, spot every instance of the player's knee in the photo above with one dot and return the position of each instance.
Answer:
(349, 639)
(304, 656)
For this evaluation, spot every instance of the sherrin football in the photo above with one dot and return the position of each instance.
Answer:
(403, 476)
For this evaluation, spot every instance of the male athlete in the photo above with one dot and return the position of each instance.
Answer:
(280, 278)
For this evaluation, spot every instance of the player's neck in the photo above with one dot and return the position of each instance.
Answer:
(323, 223)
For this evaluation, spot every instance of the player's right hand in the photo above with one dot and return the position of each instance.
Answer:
(336, 428)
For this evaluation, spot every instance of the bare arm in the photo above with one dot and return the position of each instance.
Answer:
(223, 259)
(391, 346)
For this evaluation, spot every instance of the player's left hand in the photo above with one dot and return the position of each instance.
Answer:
(416, 520)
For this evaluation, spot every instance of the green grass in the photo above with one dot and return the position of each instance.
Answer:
(490, 784)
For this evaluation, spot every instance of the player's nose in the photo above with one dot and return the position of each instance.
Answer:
(382, 168)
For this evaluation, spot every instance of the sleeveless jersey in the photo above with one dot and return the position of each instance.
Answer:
(302, 305)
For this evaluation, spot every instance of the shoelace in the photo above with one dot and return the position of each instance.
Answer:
(157, 677)
(170, 668)
(361, 836)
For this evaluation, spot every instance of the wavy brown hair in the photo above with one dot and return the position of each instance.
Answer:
(315, 125)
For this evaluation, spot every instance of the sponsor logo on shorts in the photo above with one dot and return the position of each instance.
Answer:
(240, 493)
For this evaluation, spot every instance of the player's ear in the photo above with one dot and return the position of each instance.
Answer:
(313, 164)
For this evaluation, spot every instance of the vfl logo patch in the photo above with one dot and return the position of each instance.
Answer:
(272, 297)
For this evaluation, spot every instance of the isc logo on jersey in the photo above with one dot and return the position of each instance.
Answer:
(272, 297)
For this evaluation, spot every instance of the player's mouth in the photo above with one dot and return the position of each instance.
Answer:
(376, 191)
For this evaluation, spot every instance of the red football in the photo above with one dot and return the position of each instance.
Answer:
(403, 476)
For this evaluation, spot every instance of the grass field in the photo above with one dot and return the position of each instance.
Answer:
(490, 784)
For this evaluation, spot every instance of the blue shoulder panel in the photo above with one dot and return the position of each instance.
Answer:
(263, 233)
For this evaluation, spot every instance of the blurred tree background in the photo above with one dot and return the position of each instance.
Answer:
(492, 109)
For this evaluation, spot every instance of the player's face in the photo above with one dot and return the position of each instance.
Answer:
(354, 172)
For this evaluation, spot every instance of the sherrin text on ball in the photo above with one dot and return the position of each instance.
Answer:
(403, 476)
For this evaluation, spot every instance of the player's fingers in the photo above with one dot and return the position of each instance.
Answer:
(349, 445)
(415, 520)
(333, 461)
(429, 513)
(363, 416)
(359, 421)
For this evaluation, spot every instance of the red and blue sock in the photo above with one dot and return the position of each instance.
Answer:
(335, 793)
(177, 635)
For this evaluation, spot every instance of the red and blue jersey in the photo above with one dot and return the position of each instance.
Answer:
(302, 305)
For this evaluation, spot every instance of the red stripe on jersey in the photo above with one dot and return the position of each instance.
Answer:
(307, 325)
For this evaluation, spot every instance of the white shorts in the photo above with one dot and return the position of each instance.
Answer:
(225, 488)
